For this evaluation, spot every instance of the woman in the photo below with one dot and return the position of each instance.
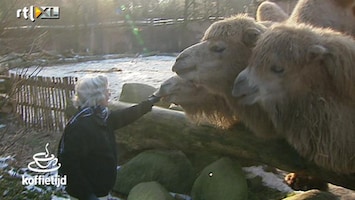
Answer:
(87, 151)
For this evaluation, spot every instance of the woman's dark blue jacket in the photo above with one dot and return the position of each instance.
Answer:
(87, 150)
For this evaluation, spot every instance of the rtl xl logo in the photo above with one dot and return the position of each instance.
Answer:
(41, 12)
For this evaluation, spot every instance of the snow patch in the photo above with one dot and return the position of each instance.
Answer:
(4, 161)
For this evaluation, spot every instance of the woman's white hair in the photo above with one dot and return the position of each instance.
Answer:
(90, 90)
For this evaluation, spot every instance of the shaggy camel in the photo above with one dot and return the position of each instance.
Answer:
(199, 105)
(224, 51)
(304, 78)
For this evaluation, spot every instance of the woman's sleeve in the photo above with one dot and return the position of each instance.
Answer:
(75, 149)
(120, 118)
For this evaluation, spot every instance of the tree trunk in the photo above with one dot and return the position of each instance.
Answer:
(167, 129)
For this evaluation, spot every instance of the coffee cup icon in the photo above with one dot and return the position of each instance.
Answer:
(43, 162)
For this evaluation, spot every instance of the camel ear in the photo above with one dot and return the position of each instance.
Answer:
(250, 36)
(316, 53)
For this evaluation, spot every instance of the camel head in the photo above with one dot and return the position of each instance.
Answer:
(181, 92)
(199, 105)
(223, 52)
(295, 61)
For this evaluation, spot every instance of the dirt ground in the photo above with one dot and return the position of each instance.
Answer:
(23, 142)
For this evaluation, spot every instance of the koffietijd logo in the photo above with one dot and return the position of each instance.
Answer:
(46, 166)
(38, 12)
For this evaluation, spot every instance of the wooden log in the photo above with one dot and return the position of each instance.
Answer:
(167, 129)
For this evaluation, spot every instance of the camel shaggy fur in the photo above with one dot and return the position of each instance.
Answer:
(270, 11)
(304, 78)
(336, 14)
(214, 62)
(199, 105)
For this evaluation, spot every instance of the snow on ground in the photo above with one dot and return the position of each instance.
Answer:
(151, 70)
(4, 161)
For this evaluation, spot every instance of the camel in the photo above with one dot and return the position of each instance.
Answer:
(199, 105)
(304, 78)
(336, 14)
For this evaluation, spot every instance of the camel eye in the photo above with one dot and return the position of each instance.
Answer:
(217, 48)
(277, 69)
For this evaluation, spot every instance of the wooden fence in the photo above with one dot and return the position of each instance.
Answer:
(41, 101)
